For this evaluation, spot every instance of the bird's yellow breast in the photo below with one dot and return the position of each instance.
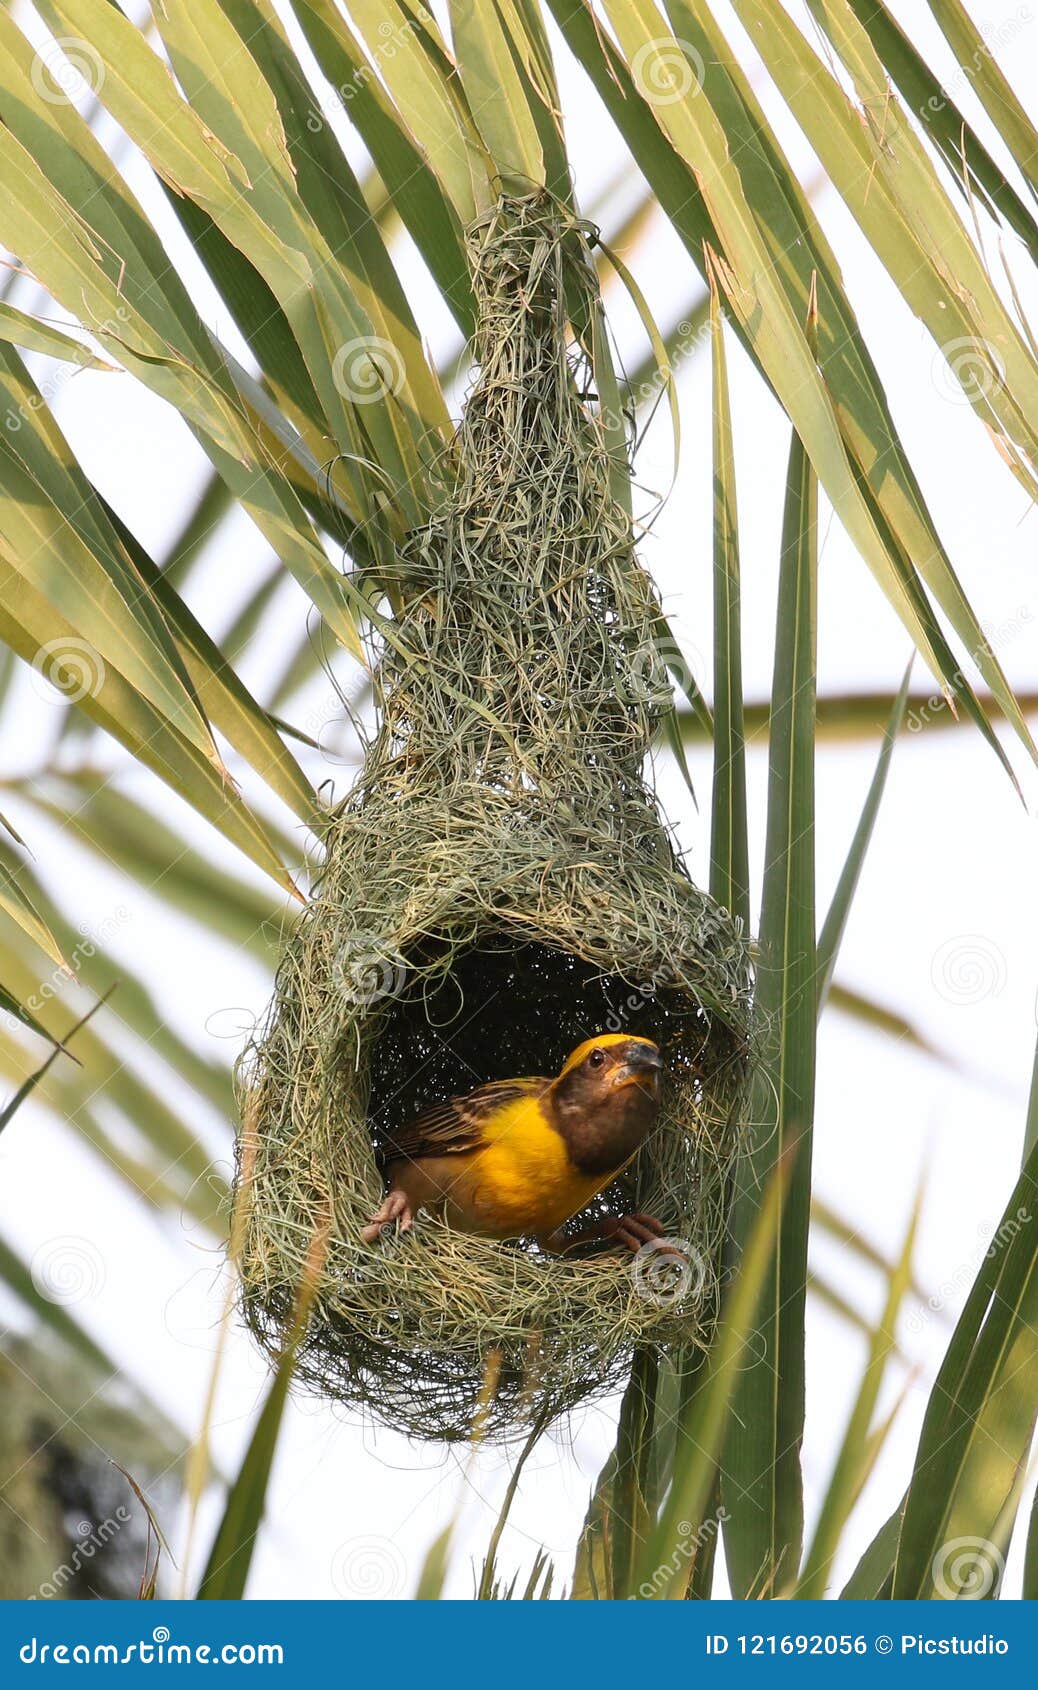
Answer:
(522, 1181)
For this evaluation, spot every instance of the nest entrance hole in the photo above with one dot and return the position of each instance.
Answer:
(499, 1009)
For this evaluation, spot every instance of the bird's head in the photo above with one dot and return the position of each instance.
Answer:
(602, 1066)
(606, 1098)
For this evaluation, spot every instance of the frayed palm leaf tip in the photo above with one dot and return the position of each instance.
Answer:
(498, 886)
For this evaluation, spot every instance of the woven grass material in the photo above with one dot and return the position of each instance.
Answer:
(497, 887)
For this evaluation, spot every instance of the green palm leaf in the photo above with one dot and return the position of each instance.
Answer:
(761, 1479)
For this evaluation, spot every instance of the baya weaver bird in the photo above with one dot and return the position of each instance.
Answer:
(519, 1158)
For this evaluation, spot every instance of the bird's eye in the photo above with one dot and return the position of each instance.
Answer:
(596, 1059)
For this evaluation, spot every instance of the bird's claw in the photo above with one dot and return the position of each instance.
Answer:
(396, 1210)
(633, 1232)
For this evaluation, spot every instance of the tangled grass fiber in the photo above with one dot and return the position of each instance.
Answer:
(498, 886)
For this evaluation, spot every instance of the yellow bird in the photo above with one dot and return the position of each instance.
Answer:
(519, 1158)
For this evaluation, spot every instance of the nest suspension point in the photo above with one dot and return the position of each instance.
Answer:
(497, 887)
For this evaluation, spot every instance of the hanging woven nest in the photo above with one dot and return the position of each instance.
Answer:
(497, 887)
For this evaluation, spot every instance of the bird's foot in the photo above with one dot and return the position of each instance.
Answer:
(396, 1208)
(633, 1232)
(630, 1232)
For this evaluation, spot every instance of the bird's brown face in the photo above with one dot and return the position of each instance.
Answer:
(635, 1062)
(610, 1063)
(606, 1098)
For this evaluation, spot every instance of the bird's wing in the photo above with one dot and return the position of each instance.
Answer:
(459, 1125)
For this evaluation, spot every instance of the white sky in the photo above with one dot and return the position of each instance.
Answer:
(949, 885)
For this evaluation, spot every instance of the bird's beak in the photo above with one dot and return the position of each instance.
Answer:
(640, 1067)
